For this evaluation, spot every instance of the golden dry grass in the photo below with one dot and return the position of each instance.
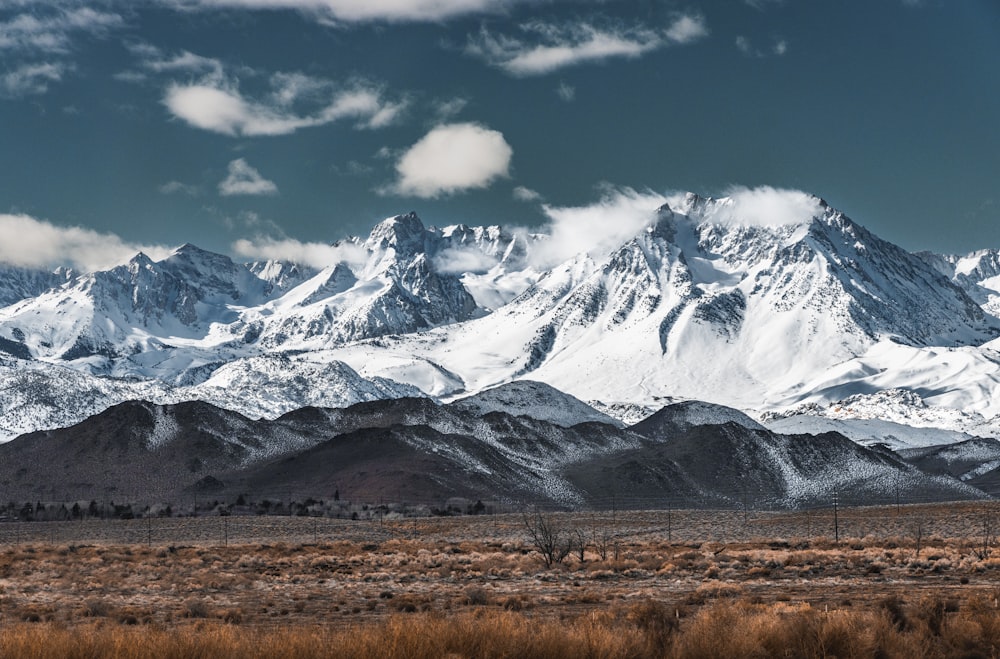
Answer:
(473, 587)
(645, 629)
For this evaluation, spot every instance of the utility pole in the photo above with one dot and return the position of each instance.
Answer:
(836, 520)
(670, 530)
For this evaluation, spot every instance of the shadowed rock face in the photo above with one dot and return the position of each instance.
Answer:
(975, 462)
(415, 450)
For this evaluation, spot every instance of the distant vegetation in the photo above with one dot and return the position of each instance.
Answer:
(334, 507)
(913, 581)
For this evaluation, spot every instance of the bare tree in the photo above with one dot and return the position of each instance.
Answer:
(553, 542)
(579, 541)
(601, 539)
(983, 551)
(918, 535)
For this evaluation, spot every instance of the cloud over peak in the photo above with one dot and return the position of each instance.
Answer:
(596, 229)
(762, 206)
(41, 244)
(547, 47)
(316, 255)
(452, 158)
(768, 206)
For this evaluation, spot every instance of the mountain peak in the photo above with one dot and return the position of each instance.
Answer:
(190, 250)
(140, 260)
(404, 233)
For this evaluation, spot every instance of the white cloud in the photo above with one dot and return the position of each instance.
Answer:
(218, 107)
(767, 206)
(760, 206)
(317, 255)
(245, 180)
(46, 32)
(356, 11)
(445, 110)
(452, 158)
(30, 79)
(185, 61)
(743, 44)
(176, 187)
(561, 46)
(40, 244)
(686, 29)
(131, 77)
(152, 59)
(456, 260)
(566, 92)
(522, 193)
(762, 5)
(596, 229)
(53, 33)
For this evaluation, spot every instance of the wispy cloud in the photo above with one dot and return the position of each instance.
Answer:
(452, 158)
(360, 11)
(778, 48)
(566, 92)
(461, 260)
(185, 61)
(218, 106)
(317, 255)
(768, 206)
(596, 229)
(176, 187)
(41, 244)
(686, 29)
(53, 32)
(762, 5)
(547, 47)
(245, 180)
(445, 110)
(760, 206)
(36, 45)
(30, 79)
(522, 193)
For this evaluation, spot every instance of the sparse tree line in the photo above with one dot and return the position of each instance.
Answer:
(555, 541)
(333, 506)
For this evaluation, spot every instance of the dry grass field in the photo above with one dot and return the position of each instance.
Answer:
(917, 581)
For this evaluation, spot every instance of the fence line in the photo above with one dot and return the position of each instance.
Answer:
(976, 521)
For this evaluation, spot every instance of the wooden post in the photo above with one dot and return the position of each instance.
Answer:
(836, 519)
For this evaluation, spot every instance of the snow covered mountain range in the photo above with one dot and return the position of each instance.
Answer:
(803, 315)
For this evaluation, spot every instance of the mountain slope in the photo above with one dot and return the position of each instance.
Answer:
(17, 283)
(709, 299)
(417, 451)
(136, 452)
(536, 400)
(698, 305)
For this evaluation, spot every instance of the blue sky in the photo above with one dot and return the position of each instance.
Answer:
(247, 125)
